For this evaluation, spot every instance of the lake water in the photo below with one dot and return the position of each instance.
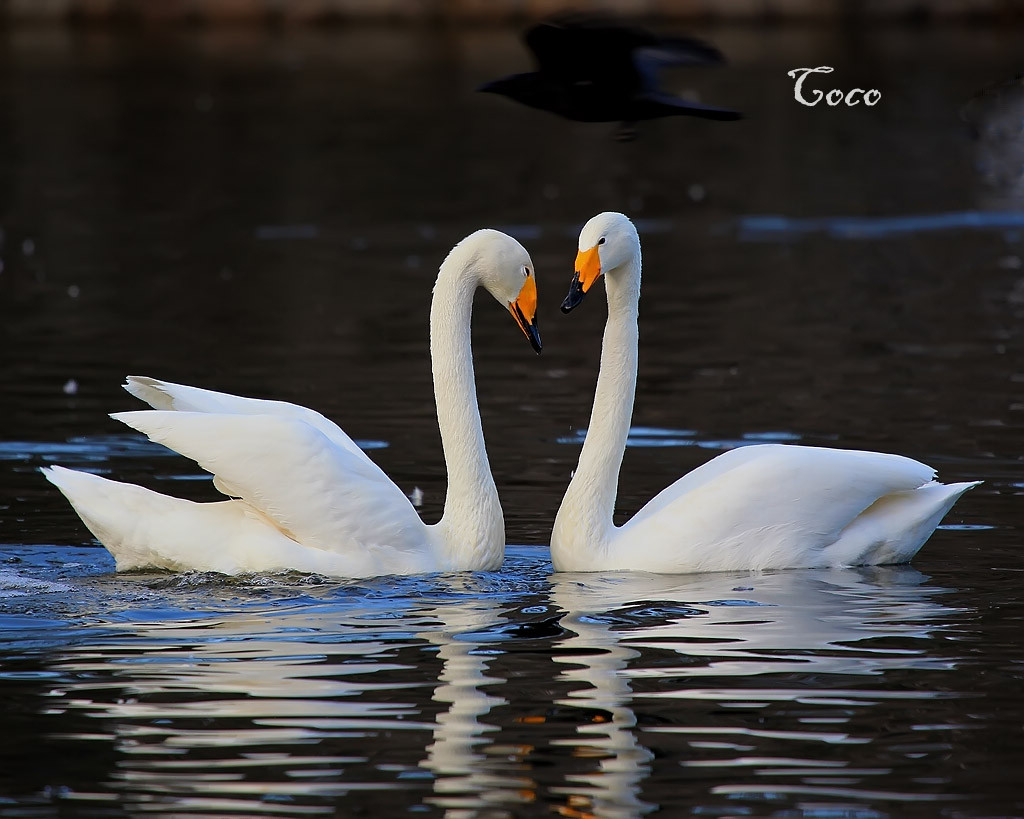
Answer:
(264, 212)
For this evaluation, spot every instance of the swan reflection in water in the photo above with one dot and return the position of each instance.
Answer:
(282, 711)
(634, 639)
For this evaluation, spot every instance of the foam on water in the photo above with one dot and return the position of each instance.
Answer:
(13, 584)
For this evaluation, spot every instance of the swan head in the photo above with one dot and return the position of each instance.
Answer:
(506, 271)
(607, 242)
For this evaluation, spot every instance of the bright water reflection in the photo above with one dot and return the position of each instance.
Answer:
(641, 640)
(492, 692)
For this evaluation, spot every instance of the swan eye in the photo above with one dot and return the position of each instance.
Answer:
(601, 241)
(526, 272)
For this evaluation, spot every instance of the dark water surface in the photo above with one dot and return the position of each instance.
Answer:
(263, 213)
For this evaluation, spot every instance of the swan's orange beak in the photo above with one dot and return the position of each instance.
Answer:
(524, 311)
(588, 270)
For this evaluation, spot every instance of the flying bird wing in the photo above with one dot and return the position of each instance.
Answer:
(598, 49)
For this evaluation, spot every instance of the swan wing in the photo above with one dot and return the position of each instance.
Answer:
(165, 395)
(774, 506)
(301, 481)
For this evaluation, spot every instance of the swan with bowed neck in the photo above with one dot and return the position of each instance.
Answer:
(770, 506)
(303, 495)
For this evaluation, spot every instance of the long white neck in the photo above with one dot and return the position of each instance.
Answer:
(472, 529)
(584, 520)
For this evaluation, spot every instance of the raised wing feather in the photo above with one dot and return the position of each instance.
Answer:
(319, 493)
(165, 395)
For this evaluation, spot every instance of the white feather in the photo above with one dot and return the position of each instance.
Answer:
(304, 496)
(756, 507)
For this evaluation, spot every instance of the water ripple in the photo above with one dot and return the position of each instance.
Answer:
(783, 228)
(661, 437)
(472, 687)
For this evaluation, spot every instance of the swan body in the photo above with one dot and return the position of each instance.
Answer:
(302, 494)
(768, 506)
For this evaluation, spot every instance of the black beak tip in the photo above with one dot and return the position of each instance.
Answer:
(534, 336)
(528, 327)
(575, 297)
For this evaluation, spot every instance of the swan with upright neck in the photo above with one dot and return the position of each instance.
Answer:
(768, 506)
(303, 495)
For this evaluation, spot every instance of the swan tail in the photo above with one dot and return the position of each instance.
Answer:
(120, 514)
(896, 526)
(144, 529)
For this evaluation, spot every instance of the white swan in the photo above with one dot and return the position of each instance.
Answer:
(304, 496)
(755, 507)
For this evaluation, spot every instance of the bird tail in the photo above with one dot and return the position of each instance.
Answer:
(896, 526)
(118, 514)
(690, 108)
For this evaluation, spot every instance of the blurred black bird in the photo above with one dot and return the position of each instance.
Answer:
(594, 69)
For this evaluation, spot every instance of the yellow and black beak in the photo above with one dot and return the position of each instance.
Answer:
(524, 311)
(588, 271)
